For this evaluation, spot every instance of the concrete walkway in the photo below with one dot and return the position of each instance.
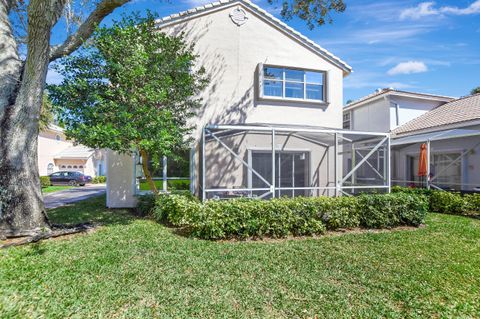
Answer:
(61, 198)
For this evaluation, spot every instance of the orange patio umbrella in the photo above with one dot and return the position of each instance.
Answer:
(422, 161)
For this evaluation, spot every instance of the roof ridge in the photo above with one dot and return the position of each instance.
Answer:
(170, 18)
(386, 90)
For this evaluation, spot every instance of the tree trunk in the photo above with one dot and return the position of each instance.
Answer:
(21, 202)
(146, 171)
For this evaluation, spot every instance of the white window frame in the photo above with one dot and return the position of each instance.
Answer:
(349, 113)
(261, 80)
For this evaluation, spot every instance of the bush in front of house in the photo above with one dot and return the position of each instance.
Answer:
(99, 180)
(446, 202)
(45, 181)
(455, 203)
(281, 217)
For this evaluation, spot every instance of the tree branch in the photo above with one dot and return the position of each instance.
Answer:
(104, 8)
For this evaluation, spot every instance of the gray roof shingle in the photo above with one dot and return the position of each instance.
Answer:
(461, 110)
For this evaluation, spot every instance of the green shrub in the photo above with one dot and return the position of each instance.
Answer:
(455, 203)
(178, 184)
(412, 190)
(446, 202)
(178, 210)
(146, 205)
(280, 217)
(45, 181)
(391, 210)
(99, 180)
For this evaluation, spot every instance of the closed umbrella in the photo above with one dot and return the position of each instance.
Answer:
(422, 161)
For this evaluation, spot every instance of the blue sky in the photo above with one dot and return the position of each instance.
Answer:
(431, 47)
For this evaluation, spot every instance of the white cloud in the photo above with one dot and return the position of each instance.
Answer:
(372, 80)
(422, 10)
(425, 9)
(471, 9)
(408, 68)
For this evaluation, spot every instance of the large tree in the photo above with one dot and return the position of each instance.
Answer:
(22, 81)
(131, 88)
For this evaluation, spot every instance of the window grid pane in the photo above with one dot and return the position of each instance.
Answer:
(293, 83)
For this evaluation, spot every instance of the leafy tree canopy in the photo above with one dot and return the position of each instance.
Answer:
(314, 12)
(131, 88)
(475, 90)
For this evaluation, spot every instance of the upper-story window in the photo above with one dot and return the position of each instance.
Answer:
(347, 120)
(297, 84)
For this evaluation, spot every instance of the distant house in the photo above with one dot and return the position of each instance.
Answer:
(271, 120)
(57, 153)
(450, 127)
(386, 109)
(452, 133)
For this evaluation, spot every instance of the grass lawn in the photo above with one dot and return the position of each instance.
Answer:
(51, 189)
(138, 268)
(170, 184)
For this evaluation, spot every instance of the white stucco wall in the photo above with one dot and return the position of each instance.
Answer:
(48, 146)
(409, 109)
(380, 115)
(231, 55)
(371, 117)
(120, 179)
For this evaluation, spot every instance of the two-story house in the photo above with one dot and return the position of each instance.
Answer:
(57, 153)
(271, 118)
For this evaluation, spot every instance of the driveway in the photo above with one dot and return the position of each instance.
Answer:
(61, 198)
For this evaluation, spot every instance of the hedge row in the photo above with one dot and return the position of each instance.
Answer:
(446, 202)
(245, 218)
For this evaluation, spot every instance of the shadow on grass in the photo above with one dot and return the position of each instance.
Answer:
(91, 210)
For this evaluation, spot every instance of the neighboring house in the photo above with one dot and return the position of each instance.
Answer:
(452, 133)
(386, 109)
(57, 153)
(450, 128)
(267, 83)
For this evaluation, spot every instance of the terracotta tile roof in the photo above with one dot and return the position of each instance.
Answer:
(280, 24)
(464, 109)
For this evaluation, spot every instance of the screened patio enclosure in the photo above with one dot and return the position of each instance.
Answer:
(267, 161)
(453, 160)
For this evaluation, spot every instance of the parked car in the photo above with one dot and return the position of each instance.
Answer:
(69, 178)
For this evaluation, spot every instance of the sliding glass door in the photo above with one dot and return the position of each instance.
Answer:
(291, 170)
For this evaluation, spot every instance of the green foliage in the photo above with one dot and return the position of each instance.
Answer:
(145, 205)
(455, 203)
(45, 181)
(46, 113)
(446, 202)
(390, 210)
(281, 217)
(475, 90)
(99, 180)
(131, 87)
(314, 12)
(412, 190)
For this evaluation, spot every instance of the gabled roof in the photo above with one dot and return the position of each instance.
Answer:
(214, 6)
(390, 91)
(77, 152)
(460, 111)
